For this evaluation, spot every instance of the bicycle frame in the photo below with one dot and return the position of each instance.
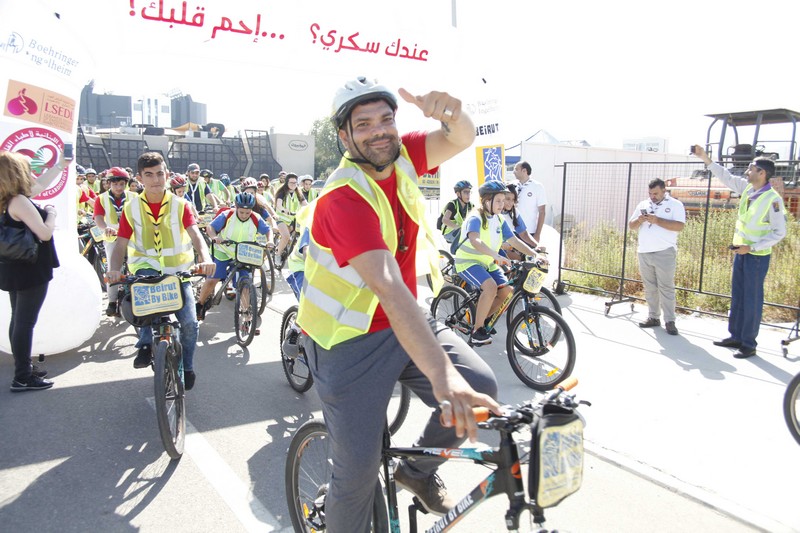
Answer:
(236, 266)
(505, 479)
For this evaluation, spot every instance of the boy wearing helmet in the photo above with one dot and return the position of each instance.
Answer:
(308, 192)
(358, 305)
(107, 211)
(477, 257)
(238, 225)
(455, 211)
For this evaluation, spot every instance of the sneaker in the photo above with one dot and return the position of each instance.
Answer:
(111, 310)
(290, 347)
(430, 491)
(671, 329)
(143, 358)
(480, 337)
(38, 372)
(188, 379)
(650, 323)
(33, 383)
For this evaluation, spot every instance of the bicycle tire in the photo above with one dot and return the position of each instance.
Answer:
(245, 312)
(100, 267)
(169, 399)
(791, 407)
(266, 284)
(544, 297)
(296, 370)
(455, 310)
(307, 474)
(540, 348)
(397, 411)
(447, 265)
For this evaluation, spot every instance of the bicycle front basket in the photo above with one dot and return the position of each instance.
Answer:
(556, 467)
(156, 297)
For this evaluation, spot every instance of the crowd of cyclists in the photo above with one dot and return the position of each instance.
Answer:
(149, 219)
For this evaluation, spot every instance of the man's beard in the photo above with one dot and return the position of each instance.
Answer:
(380, 158)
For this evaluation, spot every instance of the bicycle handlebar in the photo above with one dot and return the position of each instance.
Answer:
(132, 278)
(524, 412)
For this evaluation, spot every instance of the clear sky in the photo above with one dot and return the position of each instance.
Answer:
(593, 70)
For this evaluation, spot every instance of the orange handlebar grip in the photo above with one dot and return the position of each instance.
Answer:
(568, 384)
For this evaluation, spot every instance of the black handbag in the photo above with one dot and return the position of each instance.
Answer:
(17, 244)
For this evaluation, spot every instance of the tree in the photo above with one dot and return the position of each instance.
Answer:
(326, 155)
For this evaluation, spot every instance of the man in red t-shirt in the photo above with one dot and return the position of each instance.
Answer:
(153, 173)
(355, 377)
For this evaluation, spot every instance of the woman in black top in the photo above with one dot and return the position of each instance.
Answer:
(26, 283)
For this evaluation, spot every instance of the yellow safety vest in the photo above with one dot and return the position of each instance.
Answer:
(336, 305)
(457, 218)
(237, 231)
(311, 194)
(163, 244)
(753, 221)
(112, 218)
(291, 203)
(491, 235)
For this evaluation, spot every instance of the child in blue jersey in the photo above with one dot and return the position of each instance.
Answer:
(484, 231)
(249, 224)
(516, 223)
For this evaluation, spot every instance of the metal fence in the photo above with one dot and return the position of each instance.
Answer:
(598, 251)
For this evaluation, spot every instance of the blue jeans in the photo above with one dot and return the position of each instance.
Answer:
(187, 317)
(747, 298)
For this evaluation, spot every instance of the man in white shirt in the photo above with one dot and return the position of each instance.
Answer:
(659, 219)
(532, 200)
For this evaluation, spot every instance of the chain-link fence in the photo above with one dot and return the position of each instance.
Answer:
(598, 250)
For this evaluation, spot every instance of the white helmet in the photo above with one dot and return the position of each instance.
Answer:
(355, 92)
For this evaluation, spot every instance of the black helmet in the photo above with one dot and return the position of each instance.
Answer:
(205, 173)
(461, 185)
(355, 92)
(492, 187)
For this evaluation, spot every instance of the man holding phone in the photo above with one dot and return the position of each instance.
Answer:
(659, 219)
(760, 226)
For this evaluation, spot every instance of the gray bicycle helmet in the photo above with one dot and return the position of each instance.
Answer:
(355, 92)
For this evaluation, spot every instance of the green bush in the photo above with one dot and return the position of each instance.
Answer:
(599, 250)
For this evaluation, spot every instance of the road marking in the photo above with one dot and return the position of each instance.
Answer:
(240, 499)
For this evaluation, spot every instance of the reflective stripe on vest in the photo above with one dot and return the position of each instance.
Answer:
(336, 305)
(237, 231)
(491, 236)
(164, 245)
(753, 221)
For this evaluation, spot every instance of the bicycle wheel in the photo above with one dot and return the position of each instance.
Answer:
(447, 265)
(264, 281)
(544, 297)
(100, 267)
(308, 471)
(245, 311)
(791, 407)
(170, 406)
(540, 348)
(296, 369)
(398, 407)
(453, 308)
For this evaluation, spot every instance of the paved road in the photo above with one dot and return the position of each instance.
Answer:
(681, 437)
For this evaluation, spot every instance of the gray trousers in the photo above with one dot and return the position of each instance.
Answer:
(658, 274)
(355, 381)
